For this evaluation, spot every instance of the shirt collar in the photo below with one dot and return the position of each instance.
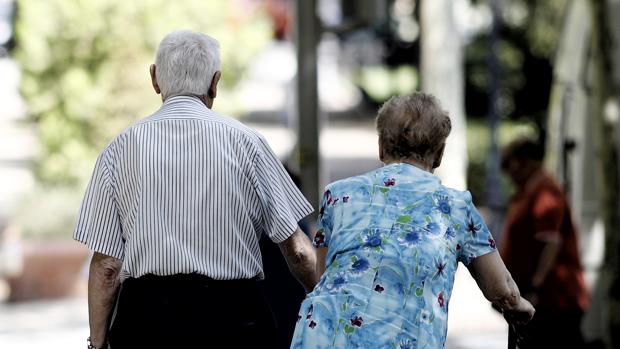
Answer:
(407, 170)
(182, 99)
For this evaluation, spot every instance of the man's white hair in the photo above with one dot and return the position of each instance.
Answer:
(186, 62)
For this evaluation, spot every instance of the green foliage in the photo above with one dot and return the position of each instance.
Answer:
(85, 68)
(540, 21)
(381, 82)
(546, 25)
(527, 41)
(478, 140)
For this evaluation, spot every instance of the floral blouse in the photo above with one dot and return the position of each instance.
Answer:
(394, 237)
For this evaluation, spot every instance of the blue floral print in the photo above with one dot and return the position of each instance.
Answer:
(443, 204)
(373, 239)
(410, 238)
(433, 227)
(360, 265)
(394, 237)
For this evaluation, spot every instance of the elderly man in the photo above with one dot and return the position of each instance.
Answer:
(174, 211)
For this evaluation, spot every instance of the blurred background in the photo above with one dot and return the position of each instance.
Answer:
(75, 73)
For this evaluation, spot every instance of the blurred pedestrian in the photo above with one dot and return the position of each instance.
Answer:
(541, 250)
(389, 242)
(174, 212)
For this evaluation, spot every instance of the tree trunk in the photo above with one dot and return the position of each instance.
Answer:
(583, 100)
(442, 76)
(605, 95)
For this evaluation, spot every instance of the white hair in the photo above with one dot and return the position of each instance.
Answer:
(186, 62)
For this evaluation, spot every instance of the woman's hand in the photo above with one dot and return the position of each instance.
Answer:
(498, 287)
(520, 314)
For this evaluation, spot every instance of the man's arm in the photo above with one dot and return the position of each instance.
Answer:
(300, 256)
(500, 289)
(548, 211)
(103, 283)
(551, 250)
(321, 252)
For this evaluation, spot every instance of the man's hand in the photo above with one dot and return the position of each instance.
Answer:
(103, 283)
(300, 256)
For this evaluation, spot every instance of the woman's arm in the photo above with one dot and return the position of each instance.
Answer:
(103, 283)
(500, 289)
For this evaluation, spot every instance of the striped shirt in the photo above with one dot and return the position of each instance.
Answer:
(186, 190)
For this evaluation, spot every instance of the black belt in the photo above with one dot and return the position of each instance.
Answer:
(180, 280)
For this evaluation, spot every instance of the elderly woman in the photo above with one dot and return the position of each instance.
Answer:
(389, 242)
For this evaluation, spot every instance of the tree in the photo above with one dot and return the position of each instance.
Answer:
(85, 68)
(583, 99)
(606, 91)
(442, 76)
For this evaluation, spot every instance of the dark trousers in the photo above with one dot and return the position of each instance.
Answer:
(191, 311)
(551, 329)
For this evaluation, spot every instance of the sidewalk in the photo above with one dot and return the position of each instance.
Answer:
(472, 323)
(63, 324)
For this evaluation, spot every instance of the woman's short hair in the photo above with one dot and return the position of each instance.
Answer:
(186, 62)
(412, 126)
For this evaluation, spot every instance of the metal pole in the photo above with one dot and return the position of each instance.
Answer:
(307, 31)
(494, 194)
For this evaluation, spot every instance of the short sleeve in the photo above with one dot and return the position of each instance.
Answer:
(98, 224)
(548, 214)
(283, 205)
(324, 223)
(477, 239)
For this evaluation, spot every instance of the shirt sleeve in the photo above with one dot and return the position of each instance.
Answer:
(98, 224)
(283, 205)
(477, 239)
(548, 214)
(324, 222)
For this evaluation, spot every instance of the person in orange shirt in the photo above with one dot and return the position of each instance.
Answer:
(540, 249)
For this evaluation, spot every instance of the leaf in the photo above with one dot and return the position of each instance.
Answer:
(419, 292)
(404, 219)
(348, 329)
(384, 190)
(412, 206)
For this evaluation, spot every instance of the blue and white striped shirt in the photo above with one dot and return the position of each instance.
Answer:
(186, 190)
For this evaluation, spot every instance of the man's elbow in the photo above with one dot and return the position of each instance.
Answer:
(302, 257)
(106, 269)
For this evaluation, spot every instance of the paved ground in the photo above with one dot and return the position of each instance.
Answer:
(63, 324)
